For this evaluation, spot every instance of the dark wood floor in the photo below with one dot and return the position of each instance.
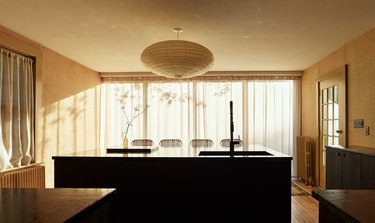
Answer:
(304, 208)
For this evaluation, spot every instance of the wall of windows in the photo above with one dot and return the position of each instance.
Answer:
(184, 111)
(263, 112)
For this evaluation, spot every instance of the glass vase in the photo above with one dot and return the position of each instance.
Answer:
(125, 142)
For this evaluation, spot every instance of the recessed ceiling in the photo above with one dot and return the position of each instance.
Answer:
(244, 35)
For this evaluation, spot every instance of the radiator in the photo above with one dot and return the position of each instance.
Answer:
(304, 169)
(32, 176)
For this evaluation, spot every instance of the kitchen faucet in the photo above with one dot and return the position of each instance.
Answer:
(232, 141)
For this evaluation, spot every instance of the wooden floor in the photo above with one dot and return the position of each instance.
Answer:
(304, 208)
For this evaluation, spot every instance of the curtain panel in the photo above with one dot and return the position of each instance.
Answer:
(265, 112)
(17, 110)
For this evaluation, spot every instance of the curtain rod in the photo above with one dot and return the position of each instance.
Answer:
(16, 51)
(210, 73)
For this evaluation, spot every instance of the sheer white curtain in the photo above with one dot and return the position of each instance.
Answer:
(170, 115)
(270, 115)
(17, 110)
(212, 110)
(119, 101)
(185, 110)
(263, 112)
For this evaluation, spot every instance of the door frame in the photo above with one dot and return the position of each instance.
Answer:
(344, 126)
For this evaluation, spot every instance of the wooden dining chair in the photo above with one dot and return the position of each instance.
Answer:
(226, 142)
(142, 142)
(170, 143)
(195, 143)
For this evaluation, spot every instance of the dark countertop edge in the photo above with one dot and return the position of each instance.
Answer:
(360, 150)
(328, 204)
(94, 205)
(171, 157)
(95, 153)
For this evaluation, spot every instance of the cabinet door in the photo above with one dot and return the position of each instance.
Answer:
(333, 168)
(351, 170)
(368, 172)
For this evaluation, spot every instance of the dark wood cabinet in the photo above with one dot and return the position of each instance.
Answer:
(333, 168)
(368, 172)
(351, 170)
(92, 173)
(159, 188)
(88, 173)
(343, 169)
(348, 169)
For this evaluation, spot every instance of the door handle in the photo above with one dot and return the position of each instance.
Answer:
(339, 131)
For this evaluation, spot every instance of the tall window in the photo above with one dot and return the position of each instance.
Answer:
(119, 104)
(192, 110)
(171, 111)
(17, 110)
(270, 115)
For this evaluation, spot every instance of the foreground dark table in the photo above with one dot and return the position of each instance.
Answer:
(345, 205)
(177, 185)
(55, 205)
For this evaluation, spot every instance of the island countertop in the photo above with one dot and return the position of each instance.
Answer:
(175, 152)
(346, 205)
(50, 204)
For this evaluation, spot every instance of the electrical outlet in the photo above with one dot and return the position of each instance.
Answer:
(359, 123)
(367, 130)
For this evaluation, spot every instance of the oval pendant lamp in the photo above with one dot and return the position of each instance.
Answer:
(177, 58)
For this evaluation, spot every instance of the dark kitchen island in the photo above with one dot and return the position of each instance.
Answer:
(176, 184)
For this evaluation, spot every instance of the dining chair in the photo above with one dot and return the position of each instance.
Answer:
(195, 143)
(226, 142)
(170, 143)
(142, 142)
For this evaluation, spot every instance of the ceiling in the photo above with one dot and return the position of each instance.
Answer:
(244, 35)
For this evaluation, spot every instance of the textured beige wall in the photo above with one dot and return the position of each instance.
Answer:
(69, 117)
(359, 54)
(68, 102)
(361, 94)
(309, 87)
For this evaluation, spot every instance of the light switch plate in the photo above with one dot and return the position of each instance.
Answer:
(367, 130)
(359, 123)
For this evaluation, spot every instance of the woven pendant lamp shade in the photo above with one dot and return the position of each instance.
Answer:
(177, 59)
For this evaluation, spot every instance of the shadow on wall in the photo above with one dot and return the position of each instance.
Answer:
(68, 119)
(69, 126)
